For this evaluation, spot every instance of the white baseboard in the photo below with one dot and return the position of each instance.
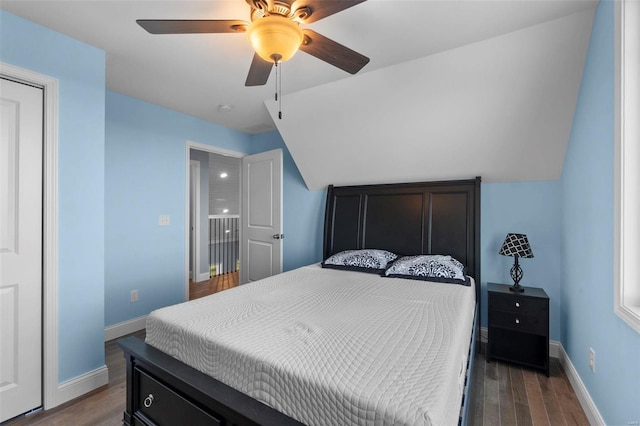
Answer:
(123, 328)
(82, 384)
(554, 347)
(586, 402)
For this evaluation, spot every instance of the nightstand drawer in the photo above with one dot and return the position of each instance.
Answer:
(518, 304)
(534, 324)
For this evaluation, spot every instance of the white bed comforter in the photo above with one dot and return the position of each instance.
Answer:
(330, 347)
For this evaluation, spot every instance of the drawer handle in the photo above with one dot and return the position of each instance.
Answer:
(148, 401)
(517, 321)
(517, 304)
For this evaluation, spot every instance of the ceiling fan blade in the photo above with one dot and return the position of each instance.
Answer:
(333, 53)
(192, 26)
(258, 72)
(323, 8)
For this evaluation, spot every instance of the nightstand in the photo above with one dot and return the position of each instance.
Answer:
(519, 326)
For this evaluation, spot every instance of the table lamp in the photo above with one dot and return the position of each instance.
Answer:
(516, 245)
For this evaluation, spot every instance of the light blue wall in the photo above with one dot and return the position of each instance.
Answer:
(532, 208)
(145, 178)
(80, 70)
(587, 316)
(303, 214)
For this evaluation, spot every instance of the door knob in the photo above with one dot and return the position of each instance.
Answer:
(278, 236)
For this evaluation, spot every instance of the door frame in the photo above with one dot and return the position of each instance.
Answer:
(194, 218)
(50, 387)
(189, 145)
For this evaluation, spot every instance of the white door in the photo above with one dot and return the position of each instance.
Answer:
(20, 248)
(262, 215)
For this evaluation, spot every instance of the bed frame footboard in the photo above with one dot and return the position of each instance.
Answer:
(163, 390)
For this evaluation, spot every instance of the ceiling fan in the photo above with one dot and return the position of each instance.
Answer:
(275, 34)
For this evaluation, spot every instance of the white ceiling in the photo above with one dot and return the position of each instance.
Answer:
(501, 108)
(454, 88)
(194, 74)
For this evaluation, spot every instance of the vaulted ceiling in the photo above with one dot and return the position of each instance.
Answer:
(501, 108)
(454, 88)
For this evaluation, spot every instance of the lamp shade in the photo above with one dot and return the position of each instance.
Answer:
(275, 38)
(516, 245)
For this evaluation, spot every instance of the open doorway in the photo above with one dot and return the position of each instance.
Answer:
(213, 220)
(249, 242)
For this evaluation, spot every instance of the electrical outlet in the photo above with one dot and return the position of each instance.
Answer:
(163, 220)
(592, 360)
(134, 296)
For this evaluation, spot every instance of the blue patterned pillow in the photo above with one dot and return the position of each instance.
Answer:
(367, 260)
(424, 267)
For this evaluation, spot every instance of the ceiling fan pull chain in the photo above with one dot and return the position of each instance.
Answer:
(276, 98)
(277, 60)
(279, 77)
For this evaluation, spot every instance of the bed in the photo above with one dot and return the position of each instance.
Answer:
(335, 347)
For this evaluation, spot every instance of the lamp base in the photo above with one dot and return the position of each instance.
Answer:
(516, 275)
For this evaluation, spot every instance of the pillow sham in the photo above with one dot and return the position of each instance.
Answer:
(425, 267)
(367, 260)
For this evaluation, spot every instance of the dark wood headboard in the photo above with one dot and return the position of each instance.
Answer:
(409, 218)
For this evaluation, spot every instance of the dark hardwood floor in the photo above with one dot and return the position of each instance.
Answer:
(511, 395)
(214, 285)
(506, 394)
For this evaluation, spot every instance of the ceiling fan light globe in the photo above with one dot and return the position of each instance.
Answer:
(275, 36)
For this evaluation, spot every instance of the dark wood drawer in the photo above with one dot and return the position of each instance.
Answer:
(535, 324)
(159, 405)
(518, 304)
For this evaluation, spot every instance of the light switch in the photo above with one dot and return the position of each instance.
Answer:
(163, 220)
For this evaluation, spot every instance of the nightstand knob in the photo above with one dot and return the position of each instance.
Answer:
(517, 321)
(517, 304)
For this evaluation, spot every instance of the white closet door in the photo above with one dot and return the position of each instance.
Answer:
(20, 248)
